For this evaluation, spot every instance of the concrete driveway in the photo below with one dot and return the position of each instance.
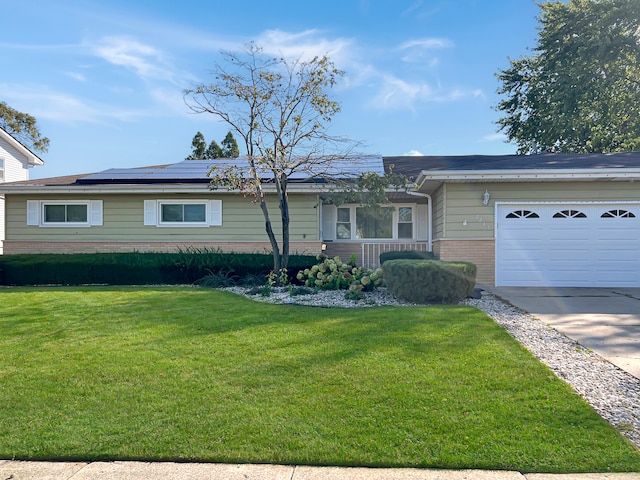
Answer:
(605, 320)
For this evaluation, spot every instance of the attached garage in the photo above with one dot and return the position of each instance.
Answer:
(568, 244)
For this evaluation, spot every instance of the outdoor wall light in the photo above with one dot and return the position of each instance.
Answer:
(485, 197)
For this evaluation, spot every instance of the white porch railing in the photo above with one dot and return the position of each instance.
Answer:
(371, 251)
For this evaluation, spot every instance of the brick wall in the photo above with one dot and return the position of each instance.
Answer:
(480, 252)
(12, 247)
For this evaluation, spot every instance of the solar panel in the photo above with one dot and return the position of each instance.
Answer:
(193, 170)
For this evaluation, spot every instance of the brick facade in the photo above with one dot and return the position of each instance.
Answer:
(480, 252)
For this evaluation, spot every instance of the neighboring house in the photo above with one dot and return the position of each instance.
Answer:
(549, 219)
(15, 162)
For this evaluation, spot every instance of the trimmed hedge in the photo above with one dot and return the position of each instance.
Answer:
(429, 281)
(406, 255)
(136, 268)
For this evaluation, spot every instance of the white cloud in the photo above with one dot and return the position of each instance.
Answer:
(422, 50)
(494, 137)
(45, 104)
(398, 94)
(76, 76)
(129, 53)
(427, 44)
(413, 153)
(304, 45)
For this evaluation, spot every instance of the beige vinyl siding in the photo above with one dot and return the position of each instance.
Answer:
(464, 201)
(123, 220)
(438, 209)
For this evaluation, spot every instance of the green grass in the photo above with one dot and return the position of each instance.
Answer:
(170, 373)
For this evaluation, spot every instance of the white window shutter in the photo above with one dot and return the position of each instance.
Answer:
(420, 220)
(215, 212)
(33, 212)
(96, 212)
(150, 215)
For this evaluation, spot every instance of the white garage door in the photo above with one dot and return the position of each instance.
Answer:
(570, 245)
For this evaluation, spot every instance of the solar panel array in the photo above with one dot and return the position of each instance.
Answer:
(198, 170)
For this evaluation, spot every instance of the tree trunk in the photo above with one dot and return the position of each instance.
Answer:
(277, 259)
(284, 213)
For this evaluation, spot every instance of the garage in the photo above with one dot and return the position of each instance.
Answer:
(568, 244)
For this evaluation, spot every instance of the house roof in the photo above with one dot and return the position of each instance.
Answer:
(197, 171)
(431, 172)
(414, 166)
(32, 158)
(189, 176)
(428, 172)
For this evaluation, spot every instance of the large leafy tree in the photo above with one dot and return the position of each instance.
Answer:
(23, 127)
(280, 109)
(580, 89)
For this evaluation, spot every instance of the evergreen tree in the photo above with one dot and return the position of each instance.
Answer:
(214, 150)
(199, 148)
(230, 147)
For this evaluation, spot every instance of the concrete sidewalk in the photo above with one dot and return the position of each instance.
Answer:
(605, 320)
(14, 470)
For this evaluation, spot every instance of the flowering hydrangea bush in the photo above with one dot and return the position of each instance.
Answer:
(334, 274)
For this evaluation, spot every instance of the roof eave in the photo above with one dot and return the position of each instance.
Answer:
(154, 188)
(32, 158)
(429, 180)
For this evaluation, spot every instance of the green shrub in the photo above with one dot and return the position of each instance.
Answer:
(406, 255)
(334, 274)
(429, 281)
(183, 267)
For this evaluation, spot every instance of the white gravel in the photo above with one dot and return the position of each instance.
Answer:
(612, 392)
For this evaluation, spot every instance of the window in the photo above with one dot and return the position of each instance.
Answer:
(183, 213)
(343, 225)
(64, 213)
(374, 224)
(618, 214)
(1, 169)
(523, 214)
(569, 214)
(405, 222)
(385, 223)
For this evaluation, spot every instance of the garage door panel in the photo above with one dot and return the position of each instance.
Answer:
(567, 255)
(584, 245)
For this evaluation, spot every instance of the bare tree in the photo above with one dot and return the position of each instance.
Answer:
(280, 109)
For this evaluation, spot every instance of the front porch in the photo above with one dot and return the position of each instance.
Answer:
(368, 253)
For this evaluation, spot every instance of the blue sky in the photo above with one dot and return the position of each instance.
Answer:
(105, 78)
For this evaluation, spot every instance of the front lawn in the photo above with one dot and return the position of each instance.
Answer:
(179, 373)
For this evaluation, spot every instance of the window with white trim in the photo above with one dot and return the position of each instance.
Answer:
(1, 169)
(343, 225)
(405, 222)
(183, 213)
(64, 213)
(385, 223)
